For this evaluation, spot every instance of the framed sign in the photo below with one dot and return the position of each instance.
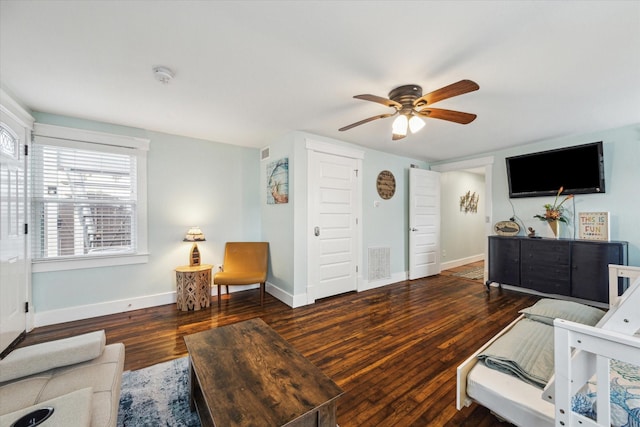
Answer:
(593, 225)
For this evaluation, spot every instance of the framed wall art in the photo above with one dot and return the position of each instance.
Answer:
(278, 182)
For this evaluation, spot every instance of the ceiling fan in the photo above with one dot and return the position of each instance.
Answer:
(411, 106)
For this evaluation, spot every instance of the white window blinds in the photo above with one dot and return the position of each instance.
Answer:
(85, 199)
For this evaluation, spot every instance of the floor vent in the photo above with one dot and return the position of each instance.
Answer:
(379, 263)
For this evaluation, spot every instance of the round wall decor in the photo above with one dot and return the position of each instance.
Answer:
(386, 184)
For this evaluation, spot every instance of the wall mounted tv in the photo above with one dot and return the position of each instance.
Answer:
(579, 169)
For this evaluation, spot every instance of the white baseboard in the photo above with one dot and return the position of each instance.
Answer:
(462, 261)
(234, 288)
(88, 311)
(292, 301)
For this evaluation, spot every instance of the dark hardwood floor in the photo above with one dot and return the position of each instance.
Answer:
(393, 350)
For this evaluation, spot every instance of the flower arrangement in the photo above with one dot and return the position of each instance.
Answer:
(555, 212)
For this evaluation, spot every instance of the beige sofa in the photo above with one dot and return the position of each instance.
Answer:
(78, 377)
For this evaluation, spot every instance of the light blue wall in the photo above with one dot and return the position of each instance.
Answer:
(622, 181)
(462, 234)
(190, 182)
(386, 225)
(222, 188)
(278, 219)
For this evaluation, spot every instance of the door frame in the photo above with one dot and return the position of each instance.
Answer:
(336, 150)
(487, 164)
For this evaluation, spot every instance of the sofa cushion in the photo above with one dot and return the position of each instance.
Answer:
(103, 374)
(53, 354)
(69, 410)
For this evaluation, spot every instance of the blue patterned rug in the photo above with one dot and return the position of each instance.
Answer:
(157, 396)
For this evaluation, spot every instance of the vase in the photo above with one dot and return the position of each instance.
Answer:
(555, 227)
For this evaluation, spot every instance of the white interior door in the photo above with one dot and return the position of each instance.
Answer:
(13, 208)
(424, 223)
(333, 248)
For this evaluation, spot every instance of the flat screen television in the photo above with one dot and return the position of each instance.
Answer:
(579, 169)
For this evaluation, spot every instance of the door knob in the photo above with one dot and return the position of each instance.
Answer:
(413, 229)
(316, 231)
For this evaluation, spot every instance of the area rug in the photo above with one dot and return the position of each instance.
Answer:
(475, 274)
(157, 396)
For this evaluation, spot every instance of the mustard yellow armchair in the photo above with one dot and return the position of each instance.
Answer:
(245, 263)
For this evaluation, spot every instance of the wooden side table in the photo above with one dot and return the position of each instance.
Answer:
(194, 286)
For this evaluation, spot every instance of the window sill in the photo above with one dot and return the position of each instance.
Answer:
(41, 266)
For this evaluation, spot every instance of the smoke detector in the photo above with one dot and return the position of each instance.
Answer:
(163, 74)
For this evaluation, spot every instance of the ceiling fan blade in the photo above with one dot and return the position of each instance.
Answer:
(450, 115)
(380, 100)
(370, 119)
(454, 89)
(395, 137)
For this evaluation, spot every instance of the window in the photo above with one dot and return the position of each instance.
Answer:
(88, 199)
(8, 143)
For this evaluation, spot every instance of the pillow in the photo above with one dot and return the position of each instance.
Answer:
(73, 409)
(548, 309)
(41, 357)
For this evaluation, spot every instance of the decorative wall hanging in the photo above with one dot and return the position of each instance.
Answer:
(507, 228)
(469, 202)
(386, 184)
(278, 182)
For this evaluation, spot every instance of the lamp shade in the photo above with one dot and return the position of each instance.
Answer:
(194, 234)
(415, 124)
(399, 126)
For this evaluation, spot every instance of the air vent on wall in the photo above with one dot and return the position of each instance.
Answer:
(379, 263)
(264, 153)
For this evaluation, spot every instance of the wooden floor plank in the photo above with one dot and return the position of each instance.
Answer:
(394, 350)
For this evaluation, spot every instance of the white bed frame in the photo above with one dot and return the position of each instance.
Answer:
(580, 352)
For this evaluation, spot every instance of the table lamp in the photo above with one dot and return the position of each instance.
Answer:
(194, 234)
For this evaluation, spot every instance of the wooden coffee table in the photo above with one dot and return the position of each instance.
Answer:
(246, 374)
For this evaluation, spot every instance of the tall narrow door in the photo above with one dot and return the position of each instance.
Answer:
(13, 208)
(424, 223)
(333, 222)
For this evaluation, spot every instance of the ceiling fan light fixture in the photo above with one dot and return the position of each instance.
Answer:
(400, 125)
(411, 107)
(415, 124)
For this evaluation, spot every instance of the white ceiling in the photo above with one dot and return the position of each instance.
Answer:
(247, 72)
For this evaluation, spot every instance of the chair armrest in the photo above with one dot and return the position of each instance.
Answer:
(41, 357)
(69, 410)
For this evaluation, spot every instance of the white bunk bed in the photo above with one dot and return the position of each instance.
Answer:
(581, 354)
